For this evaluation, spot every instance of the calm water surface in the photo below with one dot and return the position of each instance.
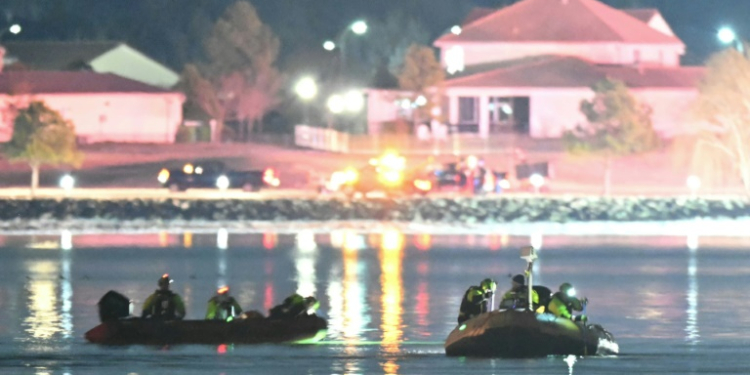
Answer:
(676, 305)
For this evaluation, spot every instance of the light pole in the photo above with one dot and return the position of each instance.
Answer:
(306, 89)
(727, 36)
(358, 27)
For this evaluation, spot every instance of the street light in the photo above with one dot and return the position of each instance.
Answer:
(14, 29)
(726, 35)
(359, 27)
(306, 89)
(354, 101)
(336, 104)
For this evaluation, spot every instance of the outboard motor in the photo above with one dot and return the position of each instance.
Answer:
(113, 306)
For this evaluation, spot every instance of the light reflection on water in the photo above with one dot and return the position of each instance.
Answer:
(391, 256)
(388, 290)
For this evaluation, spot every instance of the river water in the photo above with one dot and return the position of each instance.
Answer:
(676, 304)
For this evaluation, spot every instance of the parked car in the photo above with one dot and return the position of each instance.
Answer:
(215, 174)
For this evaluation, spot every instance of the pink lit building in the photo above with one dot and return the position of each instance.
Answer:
(103, 107)
(526, 68)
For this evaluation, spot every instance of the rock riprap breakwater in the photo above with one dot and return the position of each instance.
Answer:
(427, 210)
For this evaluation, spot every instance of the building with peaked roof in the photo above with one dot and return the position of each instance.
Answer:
(102, 107)
(526, 68)
(102, 57)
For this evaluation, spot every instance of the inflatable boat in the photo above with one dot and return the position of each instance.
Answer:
(119, 328)
(521, 334)
(239, 331)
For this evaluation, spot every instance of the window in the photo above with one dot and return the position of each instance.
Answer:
(467, 110)
(454, 60)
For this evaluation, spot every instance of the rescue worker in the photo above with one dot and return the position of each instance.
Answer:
(294, 306)
(564, 302)
(222, 306)
(163, 303)
(517, 296)
(475, 300)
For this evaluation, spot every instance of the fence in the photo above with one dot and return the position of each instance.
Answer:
(454, 144)
(321, 139)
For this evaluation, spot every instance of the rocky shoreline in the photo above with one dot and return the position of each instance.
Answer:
(37, 214)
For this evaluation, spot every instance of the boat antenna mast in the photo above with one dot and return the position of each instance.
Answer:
(528, 253)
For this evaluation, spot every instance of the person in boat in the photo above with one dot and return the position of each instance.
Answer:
(294, 306)
(564, 302)
(476, 299)
(517, 296)
(222, 306)
(163, 303)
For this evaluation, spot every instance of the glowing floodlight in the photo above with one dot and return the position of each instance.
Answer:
(222, 182)
(354, 101)
(537, 181)
(67, 182)
(336, 104)
(15, 29)
(456, 30)
(306, 88)
(329, 45)
(359, 27)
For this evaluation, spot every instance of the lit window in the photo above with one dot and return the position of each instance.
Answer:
(454, 59)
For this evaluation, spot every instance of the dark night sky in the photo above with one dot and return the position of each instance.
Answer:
(171, 30)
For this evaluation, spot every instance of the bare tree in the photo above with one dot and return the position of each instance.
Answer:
(723, 106)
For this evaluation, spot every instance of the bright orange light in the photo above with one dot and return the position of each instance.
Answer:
(223, 289)
(270, 240)
(391, 160)
(269, 177)
(165, 276)
(187, 239)
(351, 175)
(163, 239)
(391, 178)
(188, 168)
(423, 185)
(423, 242)
(163, 176)
(393, 240)
(392, 297)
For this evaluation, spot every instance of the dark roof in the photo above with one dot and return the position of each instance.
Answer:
(46, 82)
(572, 72)
(643, 14)
(559, 21)
(475, 14)
(57, 55)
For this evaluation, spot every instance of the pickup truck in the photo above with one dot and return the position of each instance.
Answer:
(214, 174)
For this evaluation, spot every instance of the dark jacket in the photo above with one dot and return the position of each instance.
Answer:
(473, 304)
(164, 304)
